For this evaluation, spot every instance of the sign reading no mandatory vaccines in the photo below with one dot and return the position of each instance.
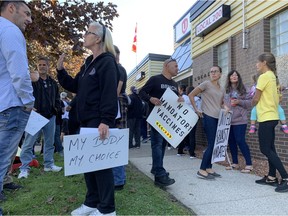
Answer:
(173, 120)
(86, 152)
(222, 135)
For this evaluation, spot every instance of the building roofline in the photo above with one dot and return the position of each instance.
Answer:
(149, 57)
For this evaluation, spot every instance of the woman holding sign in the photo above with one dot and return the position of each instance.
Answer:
(266, 100)
(96, 88)
(238, 101)
(212, 99)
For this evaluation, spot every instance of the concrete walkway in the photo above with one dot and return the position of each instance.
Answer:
(233, 194)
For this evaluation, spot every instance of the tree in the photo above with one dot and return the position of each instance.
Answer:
(54, 21)
(59, 26)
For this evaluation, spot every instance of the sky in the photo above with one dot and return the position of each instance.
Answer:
(155, 20)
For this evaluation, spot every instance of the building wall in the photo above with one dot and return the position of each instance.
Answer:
(150, 68)
(243, 60)
(255, 11)
(131, 80)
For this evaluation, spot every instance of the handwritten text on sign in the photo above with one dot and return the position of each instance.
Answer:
(222, 135)
(86, 152)
(173, 120)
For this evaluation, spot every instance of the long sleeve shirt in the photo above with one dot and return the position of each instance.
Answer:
(240, 111)
(15, 83)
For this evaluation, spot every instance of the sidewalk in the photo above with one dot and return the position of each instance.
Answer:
(233, 194)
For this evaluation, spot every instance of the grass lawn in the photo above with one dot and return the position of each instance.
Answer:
(54, 194)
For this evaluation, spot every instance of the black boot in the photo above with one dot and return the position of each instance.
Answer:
(163, 181)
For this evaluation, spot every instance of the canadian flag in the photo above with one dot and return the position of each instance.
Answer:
(134, 45)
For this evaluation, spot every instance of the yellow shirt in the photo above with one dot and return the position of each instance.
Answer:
(267, 107)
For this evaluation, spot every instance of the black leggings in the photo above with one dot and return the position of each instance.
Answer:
(100, 184)
(266, 134)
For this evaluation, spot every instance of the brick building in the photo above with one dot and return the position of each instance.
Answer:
(232, 34)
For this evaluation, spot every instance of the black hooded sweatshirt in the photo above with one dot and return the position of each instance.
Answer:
(96, 88)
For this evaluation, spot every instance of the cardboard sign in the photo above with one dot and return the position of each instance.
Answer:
(173, 120)
(222, 136)
(86, 152)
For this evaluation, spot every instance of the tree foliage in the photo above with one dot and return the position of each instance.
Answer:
(58, 27)
(54, 21)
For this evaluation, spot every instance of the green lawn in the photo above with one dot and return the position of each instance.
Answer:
(54, 194)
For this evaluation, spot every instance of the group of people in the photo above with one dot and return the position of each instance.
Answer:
(136, 117)
(236, 97)
(233, 97)
(95, 86)
(100, 89)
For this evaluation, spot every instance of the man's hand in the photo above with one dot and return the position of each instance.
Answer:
(155, 101)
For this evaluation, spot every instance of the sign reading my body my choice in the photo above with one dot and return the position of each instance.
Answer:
(173, 120)
(86, 152)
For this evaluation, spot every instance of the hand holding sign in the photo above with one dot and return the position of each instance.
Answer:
(103, 131)
(173, 120)
(222, 135)
(155, 101)
(87, 152)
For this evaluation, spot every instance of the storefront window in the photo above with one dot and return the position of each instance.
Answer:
(222, 51)
(279, 34)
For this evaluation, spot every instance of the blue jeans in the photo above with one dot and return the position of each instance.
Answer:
(158, 144)
(237, 137)
(57, 141)
(210, 128)
(12, 124)
(119, 175)
(26, 155)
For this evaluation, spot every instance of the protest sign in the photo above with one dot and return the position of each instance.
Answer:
(35, 123)
(86, 152)
(222, 135)
(173, 120)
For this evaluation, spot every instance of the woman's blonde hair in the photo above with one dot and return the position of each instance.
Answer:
(106, 37)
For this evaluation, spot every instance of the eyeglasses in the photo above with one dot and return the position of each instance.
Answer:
(214, 71)
(88, 32)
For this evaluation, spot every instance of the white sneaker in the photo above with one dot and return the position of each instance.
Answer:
(53, 168)
(83, 210)
(23, 174)
(97, 212)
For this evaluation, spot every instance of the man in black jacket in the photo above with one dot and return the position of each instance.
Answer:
(47, 103)
(134, 116)
(151, 92)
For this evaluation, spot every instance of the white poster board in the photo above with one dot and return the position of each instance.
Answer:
(173, 120)
(85, 152)
(222, 136)
(35, 123)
